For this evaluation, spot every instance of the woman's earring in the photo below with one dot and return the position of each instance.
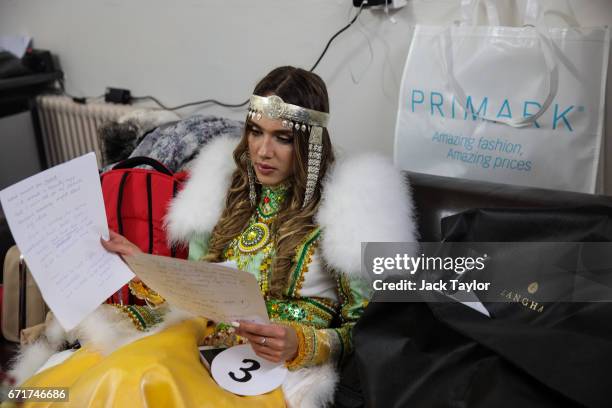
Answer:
(315, 154)
(251, 177)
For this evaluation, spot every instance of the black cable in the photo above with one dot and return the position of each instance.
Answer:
(227, 105)
(363, 3)
(82, 100)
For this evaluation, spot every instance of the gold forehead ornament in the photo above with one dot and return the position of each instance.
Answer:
(297, 118)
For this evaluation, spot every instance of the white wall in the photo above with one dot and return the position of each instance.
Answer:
(185, 50)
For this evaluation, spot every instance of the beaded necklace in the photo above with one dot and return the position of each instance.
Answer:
(257, 240)
(257, 234)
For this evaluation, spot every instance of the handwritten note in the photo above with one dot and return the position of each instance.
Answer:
(214, 291)
(57, 218)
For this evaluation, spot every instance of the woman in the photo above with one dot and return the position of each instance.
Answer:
(279, 213)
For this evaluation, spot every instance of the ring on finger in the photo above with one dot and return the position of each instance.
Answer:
(263, 341)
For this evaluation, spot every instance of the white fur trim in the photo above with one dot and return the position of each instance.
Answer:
(366, 199)
(55, 333)
(312, 387)
(33, 356)
(199, 205)
(29, 360)
(105, 330)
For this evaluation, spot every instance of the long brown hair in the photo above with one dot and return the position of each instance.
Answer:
(298, 87)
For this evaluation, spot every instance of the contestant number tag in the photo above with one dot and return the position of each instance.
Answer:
(239, 370)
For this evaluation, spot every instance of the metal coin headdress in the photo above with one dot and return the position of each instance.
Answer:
(298, 118)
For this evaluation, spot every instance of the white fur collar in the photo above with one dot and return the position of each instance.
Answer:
(366, 199)
(197, 208)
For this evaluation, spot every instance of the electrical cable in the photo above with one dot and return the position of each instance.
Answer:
(337, 34)
(216, 102)
(354, 78)
(228, 105)
(82, 100)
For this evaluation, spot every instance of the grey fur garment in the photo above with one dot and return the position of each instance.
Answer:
(176, 144)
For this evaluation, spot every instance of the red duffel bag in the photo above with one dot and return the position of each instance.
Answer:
(136, 202)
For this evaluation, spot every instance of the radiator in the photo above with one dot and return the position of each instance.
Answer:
(69, 129)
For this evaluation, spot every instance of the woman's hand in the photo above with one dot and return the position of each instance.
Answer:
(274, 342)
(120, 245)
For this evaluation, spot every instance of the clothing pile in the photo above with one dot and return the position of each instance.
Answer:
(171, 142)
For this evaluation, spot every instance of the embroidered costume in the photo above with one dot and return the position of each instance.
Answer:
(335, 297)
(364, 199)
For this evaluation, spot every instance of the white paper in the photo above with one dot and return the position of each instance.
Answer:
(239, 370)
(478, 306)
(470, 300)
(15, 44)
(57, 218)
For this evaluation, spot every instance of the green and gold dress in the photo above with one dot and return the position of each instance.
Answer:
(322, 306)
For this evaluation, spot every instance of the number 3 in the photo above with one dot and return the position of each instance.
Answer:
(247, 376)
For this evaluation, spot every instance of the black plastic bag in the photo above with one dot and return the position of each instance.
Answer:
(447, 355)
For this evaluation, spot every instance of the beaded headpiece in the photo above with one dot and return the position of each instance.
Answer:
(298, 118)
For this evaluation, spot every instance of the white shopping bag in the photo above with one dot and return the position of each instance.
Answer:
(516, 105)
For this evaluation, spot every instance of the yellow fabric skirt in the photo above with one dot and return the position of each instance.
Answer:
(161, 370)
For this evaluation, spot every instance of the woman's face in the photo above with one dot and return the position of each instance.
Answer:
(270, 149)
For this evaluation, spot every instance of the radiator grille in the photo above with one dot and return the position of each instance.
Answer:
(69, 129)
